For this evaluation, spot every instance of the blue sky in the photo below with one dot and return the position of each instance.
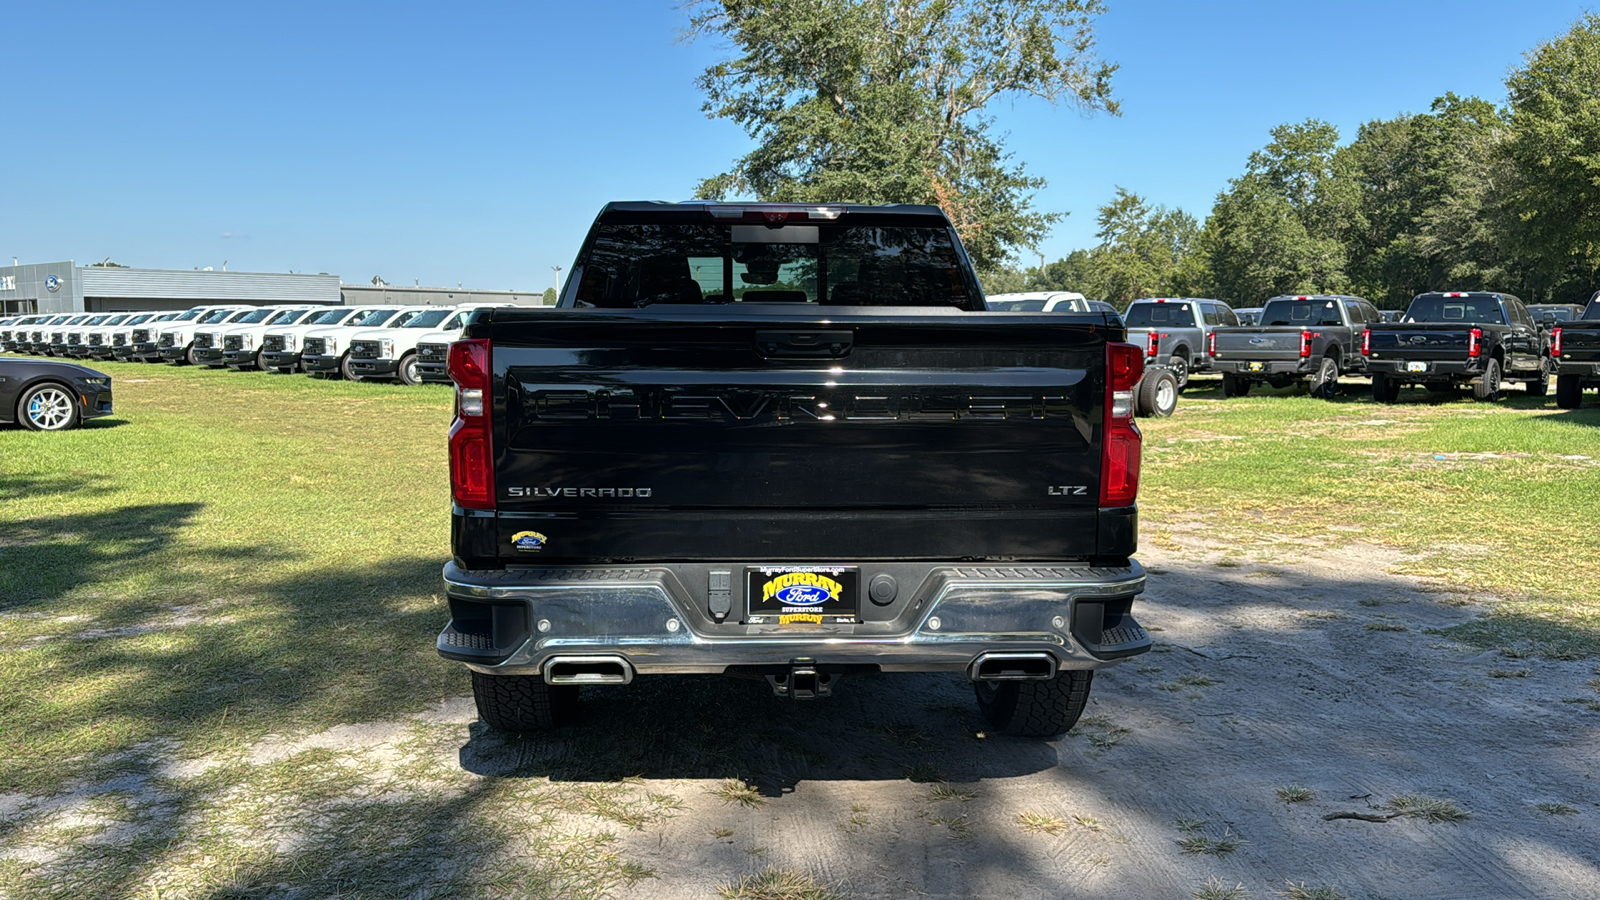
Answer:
(473, 142)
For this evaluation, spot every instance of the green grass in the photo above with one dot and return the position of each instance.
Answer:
(233, 555)
(237, 556)
(1490, 497)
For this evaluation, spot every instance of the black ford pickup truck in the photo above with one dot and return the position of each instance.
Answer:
(1461, 337)
(789, 442)
(1575, 347)
(1309, 337)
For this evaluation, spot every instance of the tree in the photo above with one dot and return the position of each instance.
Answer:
(1428, 199)
(378, 281)
(1144, 251)
(1279, 226)
(107, 264)
(883, 101)
(549, 296)
(1554, 151)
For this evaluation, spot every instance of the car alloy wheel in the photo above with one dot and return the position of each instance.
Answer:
(48, 408)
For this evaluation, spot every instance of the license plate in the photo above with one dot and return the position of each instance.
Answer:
(1255, 367)
(1416, 367)
(802, 595)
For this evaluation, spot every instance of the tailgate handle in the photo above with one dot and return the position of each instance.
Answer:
(824, 344)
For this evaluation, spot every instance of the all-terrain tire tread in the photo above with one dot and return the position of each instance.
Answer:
(521, 702)
(1037, 708)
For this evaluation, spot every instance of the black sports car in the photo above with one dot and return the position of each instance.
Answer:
(45, 395)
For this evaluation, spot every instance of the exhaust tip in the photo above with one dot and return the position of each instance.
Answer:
(1013, 667)
(588, 670)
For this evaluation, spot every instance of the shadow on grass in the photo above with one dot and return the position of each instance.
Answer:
(44, 558)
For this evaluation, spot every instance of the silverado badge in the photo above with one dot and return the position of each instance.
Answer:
(528, 541)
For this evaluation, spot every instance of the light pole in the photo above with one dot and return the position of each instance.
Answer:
(558, 278)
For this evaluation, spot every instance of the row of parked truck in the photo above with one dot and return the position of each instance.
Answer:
(1444, 341)
(408, 344)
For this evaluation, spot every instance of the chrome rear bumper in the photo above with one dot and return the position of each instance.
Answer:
(958, 619)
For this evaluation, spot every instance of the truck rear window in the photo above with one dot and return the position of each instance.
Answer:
(632, 265)
(1159, 315)
(1307, 313)
(1478, 310)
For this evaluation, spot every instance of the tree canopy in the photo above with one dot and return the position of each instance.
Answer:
(883, 101)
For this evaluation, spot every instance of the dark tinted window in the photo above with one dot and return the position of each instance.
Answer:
(1017, 305)
(331, 317)
(372, 319)
(1208, 314)
(1226, 315)
(1483, 310)
(429, 319)
(259, 315)
(1551, 313)
(631, 265)
(1593, 312)
(1309, 312)
(1168, 315)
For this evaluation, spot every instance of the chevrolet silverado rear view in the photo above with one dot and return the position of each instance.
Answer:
(790, 443)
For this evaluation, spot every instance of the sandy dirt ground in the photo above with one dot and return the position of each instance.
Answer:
(1315, 687)
(1281, 691)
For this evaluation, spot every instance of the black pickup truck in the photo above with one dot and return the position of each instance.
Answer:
(1308, 337)
(789, 442)
(1449, 339)
(1575, 347)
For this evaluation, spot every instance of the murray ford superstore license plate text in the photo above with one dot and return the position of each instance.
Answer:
(802, 595)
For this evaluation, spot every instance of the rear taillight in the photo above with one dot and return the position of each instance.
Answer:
(1555, 342)
(1474, 345)
(1306, 338)
(471, 463)
(1153, 348)
(1366, 342)
(1211, 344)
(1119, 469)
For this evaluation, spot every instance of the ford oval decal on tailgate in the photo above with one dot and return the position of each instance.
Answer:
(528, 541)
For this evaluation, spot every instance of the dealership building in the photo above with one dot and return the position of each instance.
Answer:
(64, 287)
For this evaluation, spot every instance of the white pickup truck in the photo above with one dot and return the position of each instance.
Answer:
(282, 346)
(242, 343)
(326, 351)
(393, 352)
(176, 342)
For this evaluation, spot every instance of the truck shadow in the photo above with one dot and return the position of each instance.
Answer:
(922, 727)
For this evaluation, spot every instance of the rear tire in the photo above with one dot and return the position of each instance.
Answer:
(1179, 364)
(1034, 708)
(1384, 388)
(522, 702)
(1325, 383)
(1569, 391)
(1540, 386)
(1488, 387)
(1234, 386)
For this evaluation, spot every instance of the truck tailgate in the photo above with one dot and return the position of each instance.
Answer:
(654, 436)
(1421, 341)
(1275, 343)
